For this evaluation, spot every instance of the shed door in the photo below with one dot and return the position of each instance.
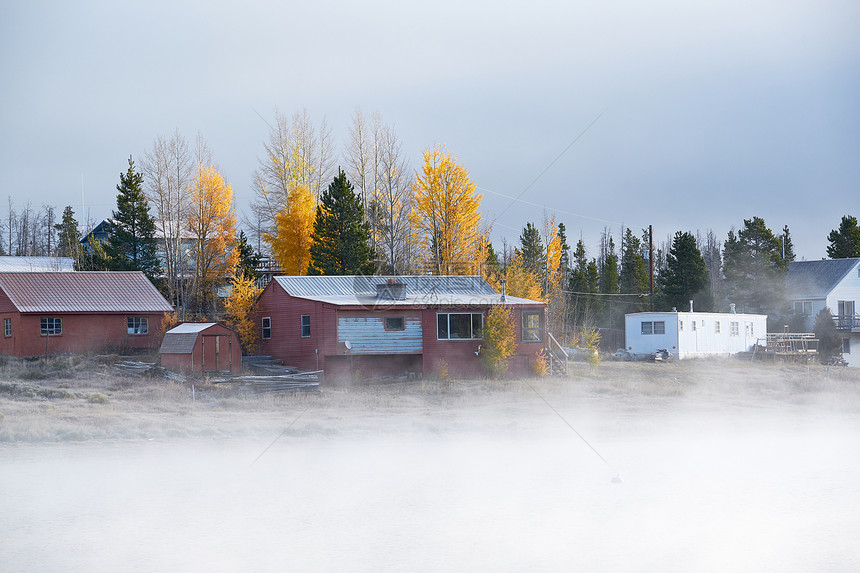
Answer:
(217, 353)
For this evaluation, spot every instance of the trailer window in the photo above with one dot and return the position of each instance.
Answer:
(460, 326)
(394, 323)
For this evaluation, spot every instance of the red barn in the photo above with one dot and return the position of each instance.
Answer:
(78, 312)
(201, 347)
(379, 325)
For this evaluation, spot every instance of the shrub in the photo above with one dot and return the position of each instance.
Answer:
(98, 398)
(442, 369)
(500, 340)
(540, 365)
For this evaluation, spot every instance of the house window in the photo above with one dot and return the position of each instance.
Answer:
(694, 326)
(306, 325)
(681, 326)
(51, 326)
(267, 328)
(137, 325)
(803, 307)
(845, 318)
(7, 327)
(846, 346)
(656, 327)
(749, 329)
(716, 327)
(733, 329)
(531, 327)
(460, 326)
(394, 323)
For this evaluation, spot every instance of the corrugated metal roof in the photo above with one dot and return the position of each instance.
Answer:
(815, 279)
(95, 291)
(188, 327)
(178, 342)
(36, 264)
(420, 290)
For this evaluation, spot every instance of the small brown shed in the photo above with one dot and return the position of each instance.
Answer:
(201, 347)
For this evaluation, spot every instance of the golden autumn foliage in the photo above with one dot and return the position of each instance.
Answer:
(522, 282)
(553, 255)
(291, 243)
(238, 306)
(500, 340)
(212, 222)
(445, 216)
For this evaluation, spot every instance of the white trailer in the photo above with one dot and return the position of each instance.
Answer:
(693, 334)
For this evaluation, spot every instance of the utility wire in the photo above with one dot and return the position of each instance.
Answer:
(569, 425)
(281, 435)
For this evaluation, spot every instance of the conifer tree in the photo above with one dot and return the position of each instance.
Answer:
(341, 236)
(685, 277)
(633, 278)
(532, 251)
(132, 245)
(69, 236)
(844, 241)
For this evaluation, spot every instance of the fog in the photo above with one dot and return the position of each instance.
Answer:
(506, 488)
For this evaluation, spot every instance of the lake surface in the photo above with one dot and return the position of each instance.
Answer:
(756, 491)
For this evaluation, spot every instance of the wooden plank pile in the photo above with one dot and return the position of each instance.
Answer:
(283, 383)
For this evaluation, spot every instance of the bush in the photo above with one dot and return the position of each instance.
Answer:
(500, 340)
(98, 398)
(540, 366)
(442, 369)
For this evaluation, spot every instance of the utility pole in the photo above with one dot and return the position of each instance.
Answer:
(651, 262)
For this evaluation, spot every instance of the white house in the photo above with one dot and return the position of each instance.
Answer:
(835, 284)
(693, 334)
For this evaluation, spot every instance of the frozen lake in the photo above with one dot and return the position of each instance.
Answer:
(756, 491)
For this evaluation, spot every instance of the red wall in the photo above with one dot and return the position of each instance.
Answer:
(82, 334)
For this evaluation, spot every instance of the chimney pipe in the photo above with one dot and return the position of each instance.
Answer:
(503, 298)
(691, 306)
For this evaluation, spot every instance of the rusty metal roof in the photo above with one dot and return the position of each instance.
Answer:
(95, 291)
(420, 290)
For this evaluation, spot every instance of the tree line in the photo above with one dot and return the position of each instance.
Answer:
(371, 212)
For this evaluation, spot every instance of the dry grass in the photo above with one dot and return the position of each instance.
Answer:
(78, 398)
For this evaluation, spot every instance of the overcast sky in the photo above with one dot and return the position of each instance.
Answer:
(709, 112)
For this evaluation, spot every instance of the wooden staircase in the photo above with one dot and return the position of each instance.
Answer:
(557, 357)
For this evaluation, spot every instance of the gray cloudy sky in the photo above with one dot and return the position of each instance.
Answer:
(712, 112)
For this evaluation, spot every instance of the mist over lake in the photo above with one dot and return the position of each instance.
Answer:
(757, 474)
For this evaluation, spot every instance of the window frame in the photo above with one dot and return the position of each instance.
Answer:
(653, 327)
(137, 325)
(717, 327)
(846, 345)
(389, 328)
(305, 328)
(7, 327)
(266, 328)
(472, 329)
(734, 328)
(55, 328)
(529, 330)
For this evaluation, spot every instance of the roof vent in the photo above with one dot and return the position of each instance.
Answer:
(391, 290)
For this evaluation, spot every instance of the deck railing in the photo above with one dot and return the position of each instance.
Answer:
(847, 321)
(557, 354)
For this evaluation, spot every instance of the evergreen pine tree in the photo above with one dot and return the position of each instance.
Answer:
(248, 259)
(633, 278)
(829, 340)
(341, 236)
(69, 236)
(844, 241)
(685, 277)
(132, 245)
(754, 269)
(531, 250)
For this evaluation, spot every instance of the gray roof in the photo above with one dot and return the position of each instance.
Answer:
(178, 342)
(36, 264)
(94, 292)
(421, 290)
(815, 279)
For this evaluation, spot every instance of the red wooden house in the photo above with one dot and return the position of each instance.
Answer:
(201, 347)
(378, 325)
(78, 312)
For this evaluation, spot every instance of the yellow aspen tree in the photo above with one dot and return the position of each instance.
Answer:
(445, 216)
(212, 222)
(522, 282)
(500, 340)
(238, 306)
(553, 289)
(291, 243)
